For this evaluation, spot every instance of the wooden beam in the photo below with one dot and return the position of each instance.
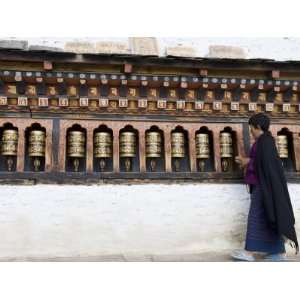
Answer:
(203, 72)
(48, 65)
(275, 74)
(127, 68)
(193, 63)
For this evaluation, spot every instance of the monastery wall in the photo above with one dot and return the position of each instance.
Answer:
(124, 221)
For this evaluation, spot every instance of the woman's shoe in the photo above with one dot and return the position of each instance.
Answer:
(242, 255)
(276, 257)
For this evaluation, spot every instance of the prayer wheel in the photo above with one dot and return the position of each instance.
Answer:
(202, 149)
(177, 148)
(226, 149)
(9, 146)
(153, 147)
(76, 147)
(102, 147)
(36, 148)
(128, 147)
(282, 146)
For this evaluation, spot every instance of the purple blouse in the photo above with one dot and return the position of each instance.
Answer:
(250, 176)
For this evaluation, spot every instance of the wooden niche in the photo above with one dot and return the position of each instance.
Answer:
(129, 149)
(204, 150)
(103, 149)
(228, 150)
(76, 149)
(155, 152)
(35, 143)
(9, 138)
(285, 148)
(180, 150)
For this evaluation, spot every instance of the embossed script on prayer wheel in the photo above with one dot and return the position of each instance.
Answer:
(9, 146)
(36, 143)
(226, 150)
(153, 144)
(282, 146)
(127, 144)
(202, 149)
(177, 144)
(226, 144)
(153, 148)
(102, 148)
(76, 144)
(102, 144)
(128, 147)
(177, 148)
(76, 147)
(202, 145)
(36, 147)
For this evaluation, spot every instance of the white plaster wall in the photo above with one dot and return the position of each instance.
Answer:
(277, 48)
(45, 221)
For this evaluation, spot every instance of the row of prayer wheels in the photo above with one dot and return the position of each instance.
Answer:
(102, 147)
(36, 146)
(128, 147)
(154, 148)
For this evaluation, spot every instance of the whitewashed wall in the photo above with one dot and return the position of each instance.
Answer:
(48, 221)
(277, 48)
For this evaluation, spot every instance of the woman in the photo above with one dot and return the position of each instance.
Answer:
(271, 218)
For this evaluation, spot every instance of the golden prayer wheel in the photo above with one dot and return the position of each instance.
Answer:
(153, 147)
(226, 144)
(9, 142)
(153, 144)
(177, 144)
(177, 148)
(76, 147)
(36, 148)
(9, 146)
(128, 147)
(102, 144)
(282, 146)
(102, 147)
(226, 149)
(202, 149)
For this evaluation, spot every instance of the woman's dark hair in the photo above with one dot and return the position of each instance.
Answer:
(260, 119)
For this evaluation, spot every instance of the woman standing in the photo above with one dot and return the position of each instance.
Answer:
(271, 218)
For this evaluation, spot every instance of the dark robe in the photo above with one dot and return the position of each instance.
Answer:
(276, 199)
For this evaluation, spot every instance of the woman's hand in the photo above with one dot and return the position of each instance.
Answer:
(242, 161)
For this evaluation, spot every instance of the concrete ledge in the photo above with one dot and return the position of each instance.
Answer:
(14, 44)
(45, 48)
(79, 47)
(191, 257)
(221, 51)
(181, 51)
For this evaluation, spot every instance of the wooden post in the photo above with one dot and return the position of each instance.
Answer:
(116, 164)
(62, 147)
(274, 132)
(21, 149)
(240, 142)
(142, 152)
(89, 150)
(168, 159)
(217, 153)
(192, 150)
(48, 150)
(296, 142)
